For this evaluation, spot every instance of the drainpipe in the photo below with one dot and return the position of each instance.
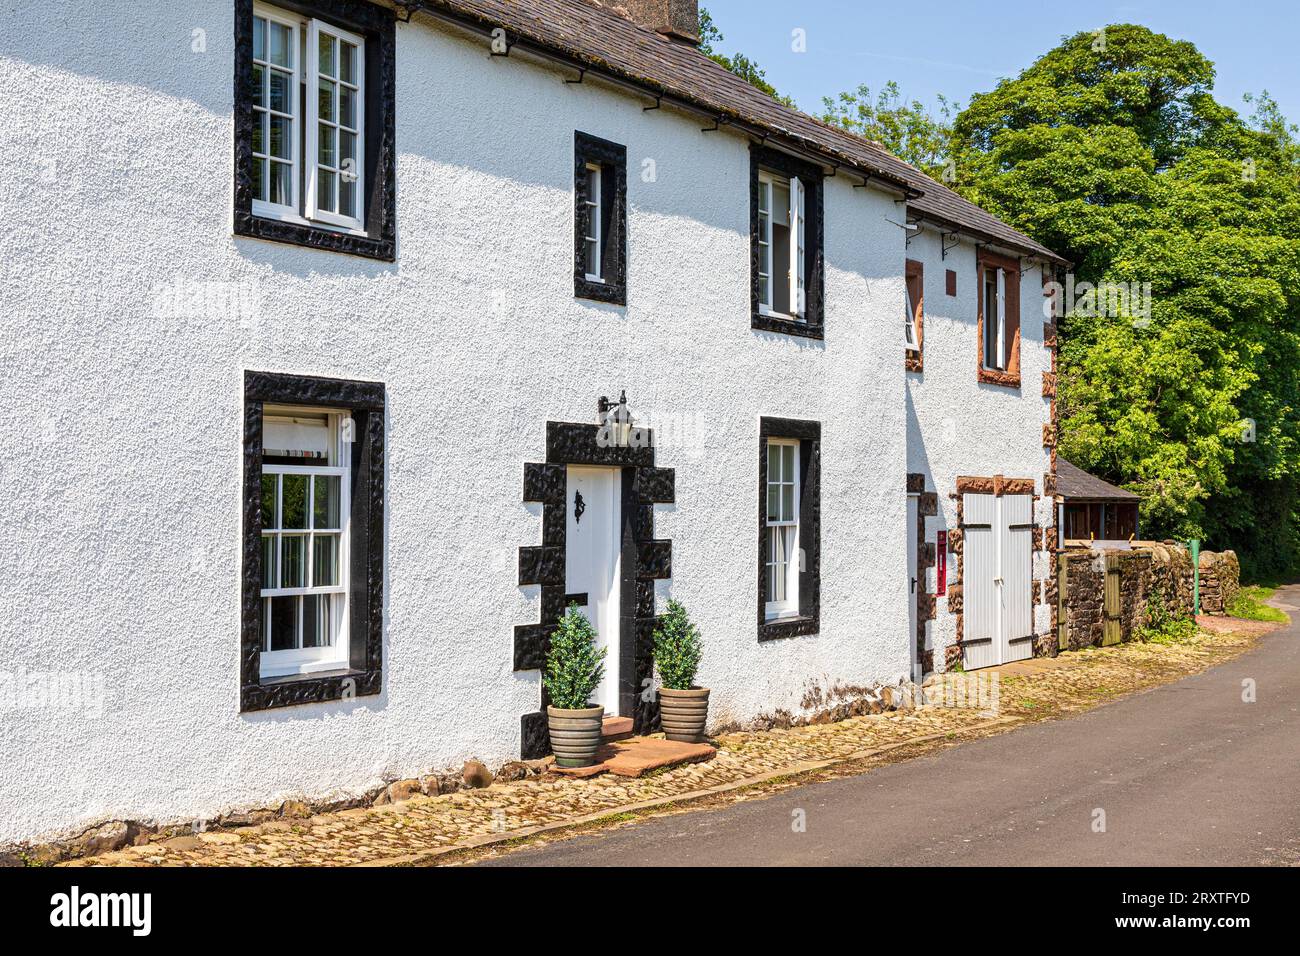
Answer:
(1194, 546)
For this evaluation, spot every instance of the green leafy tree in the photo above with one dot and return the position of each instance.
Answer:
(1111, 149)
(737, 63)
(677, 648)
(574, 664)
(909, 130)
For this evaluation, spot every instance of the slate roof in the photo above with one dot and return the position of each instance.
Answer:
(1074, 482)
(599, 39)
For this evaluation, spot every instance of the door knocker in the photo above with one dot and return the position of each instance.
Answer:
(578, 507)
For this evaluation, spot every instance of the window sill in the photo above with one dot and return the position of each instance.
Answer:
(993, 376)
(318, 687)
(314, 236)
(773, 323)
(777, 628)
(599, 290)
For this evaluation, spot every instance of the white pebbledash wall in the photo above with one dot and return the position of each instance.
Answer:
(958, 426)
(132, 312)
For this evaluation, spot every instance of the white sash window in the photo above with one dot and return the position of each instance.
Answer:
(782, 556)
(782, 242)
(309, 121)
(305, 519)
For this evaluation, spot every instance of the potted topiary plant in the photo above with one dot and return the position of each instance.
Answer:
(683, 707)
(574, 667)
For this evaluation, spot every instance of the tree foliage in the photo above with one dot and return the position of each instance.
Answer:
(737, 63)
(1112, 150)
(909, 130)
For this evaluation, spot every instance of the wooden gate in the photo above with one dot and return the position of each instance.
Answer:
(1113, 631)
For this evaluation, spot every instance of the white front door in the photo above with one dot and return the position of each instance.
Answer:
(913, 584)
(591, 576)
(998, 579)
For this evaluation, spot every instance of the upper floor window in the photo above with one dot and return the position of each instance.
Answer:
(313, 111)
(913, 314)
(786, 243)
(999, 319)
(599, 219)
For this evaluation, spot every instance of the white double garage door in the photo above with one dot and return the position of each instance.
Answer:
(997, 585)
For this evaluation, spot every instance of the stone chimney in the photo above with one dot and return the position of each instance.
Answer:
(677, 19)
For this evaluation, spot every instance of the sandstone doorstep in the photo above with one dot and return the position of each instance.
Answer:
(616, 728)
(640, 755)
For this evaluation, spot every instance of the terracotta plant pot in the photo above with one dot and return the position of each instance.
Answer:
(575, 735)
(684, 714)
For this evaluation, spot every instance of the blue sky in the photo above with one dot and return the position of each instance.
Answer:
(955, 48)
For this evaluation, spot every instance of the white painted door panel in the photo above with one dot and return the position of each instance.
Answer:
(912, 505)
(979, 587)
(997, 589)
(592, 563)
(1015, 555)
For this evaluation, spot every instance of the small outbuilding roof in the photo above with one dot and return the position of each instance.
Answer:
(1074, 483)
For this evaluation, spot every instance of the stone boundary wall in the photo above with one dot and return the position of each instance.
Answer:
(1144, 570)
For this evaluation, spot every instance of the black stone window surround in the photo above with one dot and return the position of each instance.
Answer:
(377, 25)
(363, 674)
(761, 157)
(612, 160)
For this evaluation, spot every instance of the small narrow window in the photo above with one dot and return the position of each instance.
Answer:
(786, 244)
(789, 533)
(782, 529)
(999, 279)
(276, 114)
(594, 216)
(600, 219)
(782, 237)
(336, 121)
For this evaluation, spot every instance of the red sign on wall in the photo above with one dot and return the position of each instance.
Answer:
(941, 565)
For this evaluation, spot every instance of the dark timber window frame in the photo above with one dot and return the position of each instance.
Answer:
(376, 26)
(611, 227)
(363, 673)
(808, 434)
(810, 176)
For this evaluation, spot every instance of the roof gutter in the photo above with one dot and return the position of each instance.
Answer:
(468, 20)
(984, 237)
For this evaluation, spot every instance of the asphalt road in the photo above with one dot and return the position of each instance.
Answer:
(1186, 774)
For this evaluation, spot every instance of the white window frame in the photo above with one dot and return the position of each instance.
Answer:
(797, 239)
(767, 182)
(789, 607)
(305, 149)
(314, 30)
(307, 660)
(264, 207)
(765, 242)
(912, 340)
(595, 183)
(995, 319)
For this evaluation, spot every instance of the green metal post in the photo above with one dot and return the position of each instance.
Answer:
(1195, 547)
